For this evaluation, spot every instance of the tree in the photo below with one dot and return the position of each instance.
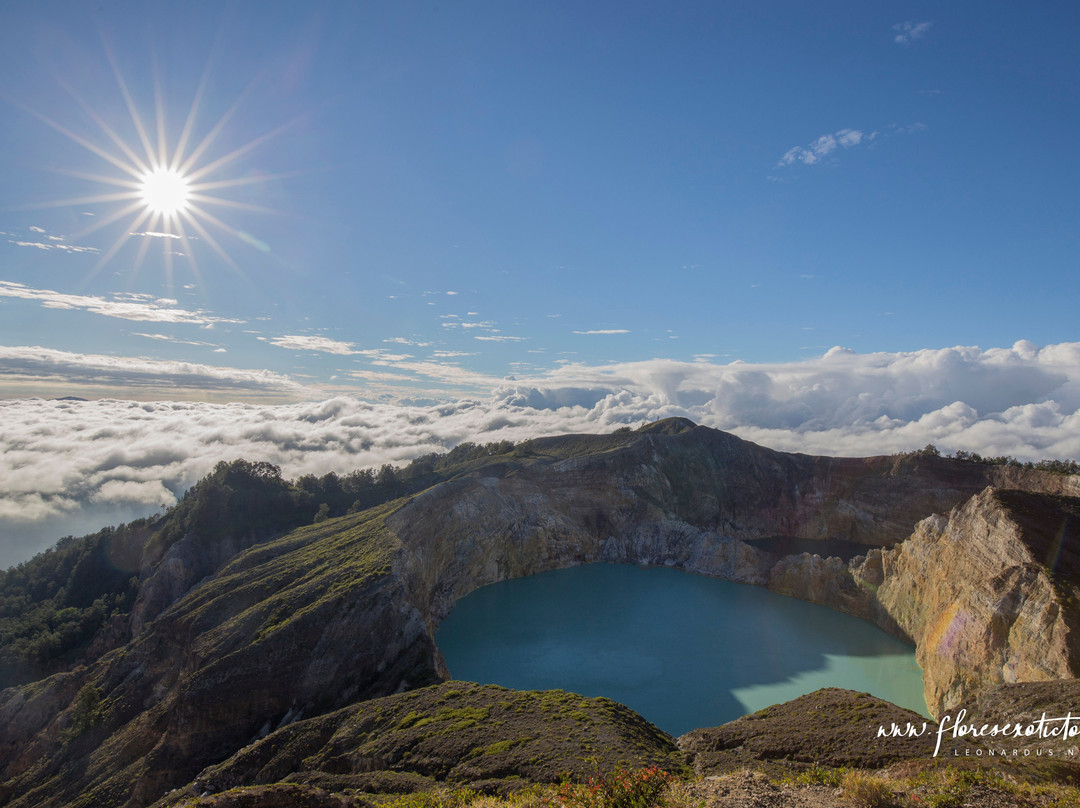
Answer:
(88, 711)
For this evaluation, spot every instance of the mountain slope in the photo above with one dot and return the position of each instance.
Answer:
(345, 609)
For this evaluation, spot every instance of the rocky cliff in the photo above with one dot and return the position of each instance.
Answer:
(989, 593)
(345, 610)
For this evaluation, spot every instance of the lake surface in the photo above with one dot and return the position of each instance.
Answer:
(683, 650)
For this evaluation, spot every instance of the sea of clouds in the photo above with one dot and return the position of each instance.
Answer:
(72, 466)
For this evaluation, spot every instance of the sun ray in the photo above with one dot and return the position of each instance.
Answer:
(216, 184)
(140, 256)
(82, 200)
(112, 217)
(233, 155)
(189, 122)
(214, 220)
(120, 242)
(138, 165)
(167, 252)
(159, 115)
(189, 215)
(204, 144)
(132, 110)
(86, 144)
(231, 203)
(189, 253)
(82, 175)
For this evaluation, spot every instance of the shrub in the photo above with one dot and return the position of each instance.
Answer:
(642, 788)
(820, 775)
(88, 711)
(866, 790)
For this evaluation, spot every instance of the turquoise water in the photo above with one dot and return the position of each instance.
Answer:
(683, 650)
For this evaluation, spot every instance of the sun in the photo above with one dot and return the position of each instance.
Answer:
(165, 191)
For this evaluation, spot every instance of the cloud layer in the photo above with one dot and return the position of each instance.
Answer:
(126, 306)
(68, 463)
(39, 366)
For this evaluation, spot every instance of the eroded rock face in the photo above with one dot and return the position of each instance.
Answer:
(988, 594)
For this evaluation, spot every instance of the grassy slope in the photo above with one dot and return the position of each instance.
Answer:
(458, 733)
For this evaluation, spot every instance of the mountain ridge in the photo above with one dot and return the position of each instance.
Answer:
(344, 610)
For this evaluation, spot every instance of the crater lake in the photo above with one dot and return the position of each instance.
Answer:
(683, 650)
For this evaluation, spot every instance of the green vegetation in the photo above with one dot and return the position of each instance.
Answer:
(440, 740)
(819, 776)
(866, 790)
(54, 605)
(88, 711)
(1051, 466)
(640, 788)
(647, 787)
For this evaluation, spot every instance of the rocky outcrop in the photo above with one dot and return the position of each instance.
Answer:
(988, 594)
(346, 610)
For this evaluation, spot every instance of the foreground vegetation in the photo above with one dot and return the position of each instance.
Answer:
(944, 786)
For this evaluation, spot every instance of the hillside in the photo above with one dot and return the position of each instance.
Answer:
(250, 607)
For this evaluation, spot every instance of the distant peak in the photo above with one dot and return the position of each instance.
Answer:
(668, 426)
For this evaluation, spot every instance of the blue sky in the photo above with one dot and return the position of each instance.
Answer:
(838, 228)
(494, 187)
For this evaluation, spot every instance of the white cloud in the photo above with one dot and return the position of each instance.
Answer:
(126, 306)
(66, 461)
(377, 376)
(909, 129)
(23, 364)
(154, 234)
(830, 144)
(908, 32)
(300, 342)
(605, 331)
(167, 338)
(37, 229)
(824, 146)
(68, 248)
(486, 324)
(500, 338)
